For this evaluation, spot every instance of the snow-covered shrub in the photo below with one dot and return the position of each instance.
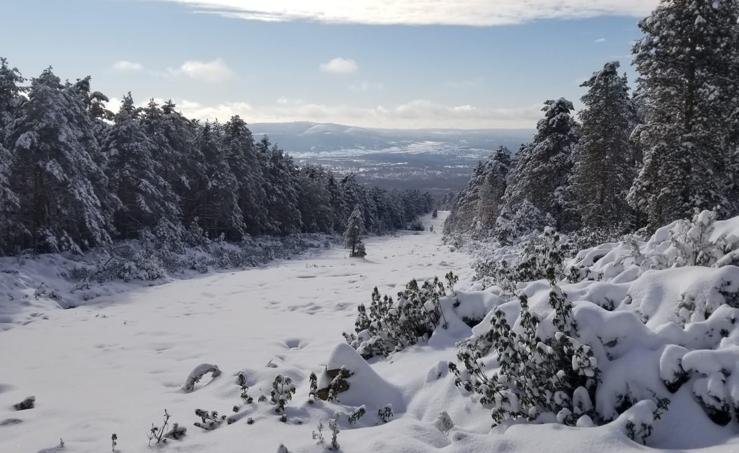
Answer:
(241, 381)
(555, 374)
(282, 392)
(671, 369)
(333, 425)
(197, 373)
(641, 418)
(385, 414)
(389, 326)
(444, 422)
(693, 243)
(524, 219)
(354, 417)
(27, 403)
(542, 257)
(159, 434)
(313, 379)
(318, 435)
(209, 420)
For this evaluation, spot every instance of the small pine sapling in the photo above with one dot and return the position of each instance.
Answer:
(318, 435)
(209, 420)
(333, 425)
(241, 381)
(356, 415)
(385, 414)
(282, 392)
(444, 422)
(313, 388)
(338, 384)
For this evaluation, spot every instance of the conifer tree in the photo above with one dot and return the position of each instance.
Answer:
(241, 155)
(542, 170)
(10, 101)
(353, 234)
(689, 79)
(136, 176)
(217, 205)
(64, 201)
(603, 160)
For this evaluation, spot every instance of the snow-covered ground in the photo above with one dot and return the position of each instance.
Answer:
(115, 365)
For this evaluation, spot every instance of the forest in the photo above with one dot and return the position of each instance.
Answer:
(74, 175)
(629, 159)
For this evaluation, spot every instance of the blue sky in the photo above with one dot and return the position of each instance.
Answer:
(426, 63)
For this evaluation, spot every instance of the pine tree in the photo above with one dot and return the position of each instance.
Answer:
(10, 101)
(64, 201)
(603, 161)
(477, 207)
(217, 202)
(689, 79)
(353, 233)
(542, 170)
(241, 155)
(136, 176)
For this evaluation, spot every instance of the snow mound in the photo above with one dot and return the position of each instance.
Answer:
(366, 387)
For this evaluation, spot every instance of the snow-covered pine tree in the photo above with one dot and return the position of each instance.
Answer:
(217, 204)
(353, 233)
(280, 174)
(10, 102)
(136, 175)
(541, 174)
(181, 162)
(241, 155)
(687, 62)
(479, 204)
(603, 159)
(64, 200)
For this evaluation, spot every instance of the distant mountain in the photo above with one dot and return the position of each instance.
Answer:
(307, 137)
(438, 160)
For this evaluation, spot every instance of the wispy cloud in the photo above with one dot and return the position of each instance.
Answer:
(600, 40)
(127, 66)
(421, 12)
(340, 65)
(206, 71)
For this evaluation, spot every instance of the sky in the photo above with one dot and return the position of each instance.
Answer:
(475, 64)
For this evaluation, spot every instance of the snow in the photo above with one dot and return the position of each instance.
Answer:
(115, 364)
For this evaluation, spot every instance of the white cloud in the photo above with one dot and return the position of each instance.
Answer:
(600, 40)
(421, 12)
(418, 113)
(128, 66)
(206, 71)
(340, 65)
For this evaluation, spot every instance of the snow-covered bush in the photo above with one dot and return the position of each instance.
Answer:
(385, 414)
(389, 325)
(281, 394)
(541, 257)
(209, 420)
(538, 374)
(158, 435)
(197, 373)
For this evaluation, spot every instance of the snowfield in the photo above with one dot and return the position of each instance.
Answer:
(115, 365)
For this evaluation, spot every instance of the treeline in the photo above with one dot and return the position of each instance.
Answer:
(74, 175)
(632, 160)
